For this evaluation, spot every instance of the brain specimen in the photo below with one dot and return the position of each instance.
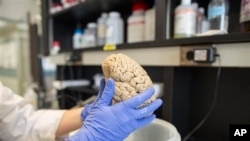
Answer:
(130, 78)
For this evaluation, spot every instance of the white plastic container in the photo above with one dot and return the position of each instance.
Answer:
(84, 41)
(158, 130)
(115, 31)
(150, 24)
(90, 35)
(185, 20)
(200, 19)
(205, 26)
(136, 24)
(101, 29)
(77, 39)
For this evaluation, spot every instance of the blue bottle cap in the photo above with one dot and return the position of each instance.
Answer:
(78, 31)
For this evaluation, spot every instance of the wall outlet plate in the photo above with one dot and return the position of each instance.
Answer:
(204, 55)
(196, 55)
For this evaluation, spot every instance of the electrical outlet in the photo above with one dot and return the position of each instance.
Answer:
(202, 55)
(74, 58)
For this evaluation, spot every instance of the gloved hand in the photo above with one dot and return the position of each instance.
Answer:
(88, 107)
(116, 122)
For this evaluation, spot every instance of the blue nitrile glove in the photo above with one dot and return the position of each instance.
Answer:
(88, 107)
(116, 122)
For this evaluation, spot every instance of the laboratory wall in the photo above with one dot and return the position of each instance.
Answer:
(14, 53)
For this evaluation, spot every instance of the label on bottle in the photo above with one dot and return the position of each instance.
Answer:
(136, 31)
(218, 20)
(90, 40)
(150, 25)
(110, 35)
(101, 31)
(216, 11)
(219, 23)
(245, 11)
(185, 23)
(77, 42)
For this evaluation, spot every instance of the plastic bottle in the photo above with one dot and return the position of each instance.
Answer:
(84, 41)
(101, 29)
(90, 36)
(136, 23)
(245, 15)
(77, 38)
(204, 25)
(200, 19)
(218, 15)
(150, 24)
(55, 48)
(185, 20)
(115, 31)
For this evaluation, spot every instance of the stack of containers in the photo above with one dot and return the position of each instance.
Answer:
(190, 20)
(83, 39)
(108, 30)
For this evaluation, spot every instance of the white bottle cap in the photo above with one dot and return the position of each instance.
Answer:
(104, 15)
(114, 14)
(91, 25)
(201, 10)
(195, 5)
(185, 2)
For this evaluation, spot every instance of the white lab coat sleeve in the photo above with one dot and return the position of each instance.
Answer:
(19, 121)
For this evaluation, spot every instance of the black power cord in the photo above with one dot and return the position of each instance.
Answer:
(213, 104)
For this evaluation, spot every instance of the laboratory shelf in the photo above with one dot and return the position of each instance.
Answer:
(63, 11)
(121, 46)
(215, 39)
(91, 9)
(62, 24)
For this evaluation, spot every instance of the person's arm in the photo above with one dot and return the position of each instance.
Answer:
(19, 121)
(70, 121)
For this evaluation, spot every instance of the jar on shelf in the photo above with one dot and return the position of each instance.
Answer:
(115, 31)
(136, 23)
(218, 15)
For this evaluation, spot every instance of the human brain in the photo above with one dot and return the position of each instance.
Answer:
(130, 78)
